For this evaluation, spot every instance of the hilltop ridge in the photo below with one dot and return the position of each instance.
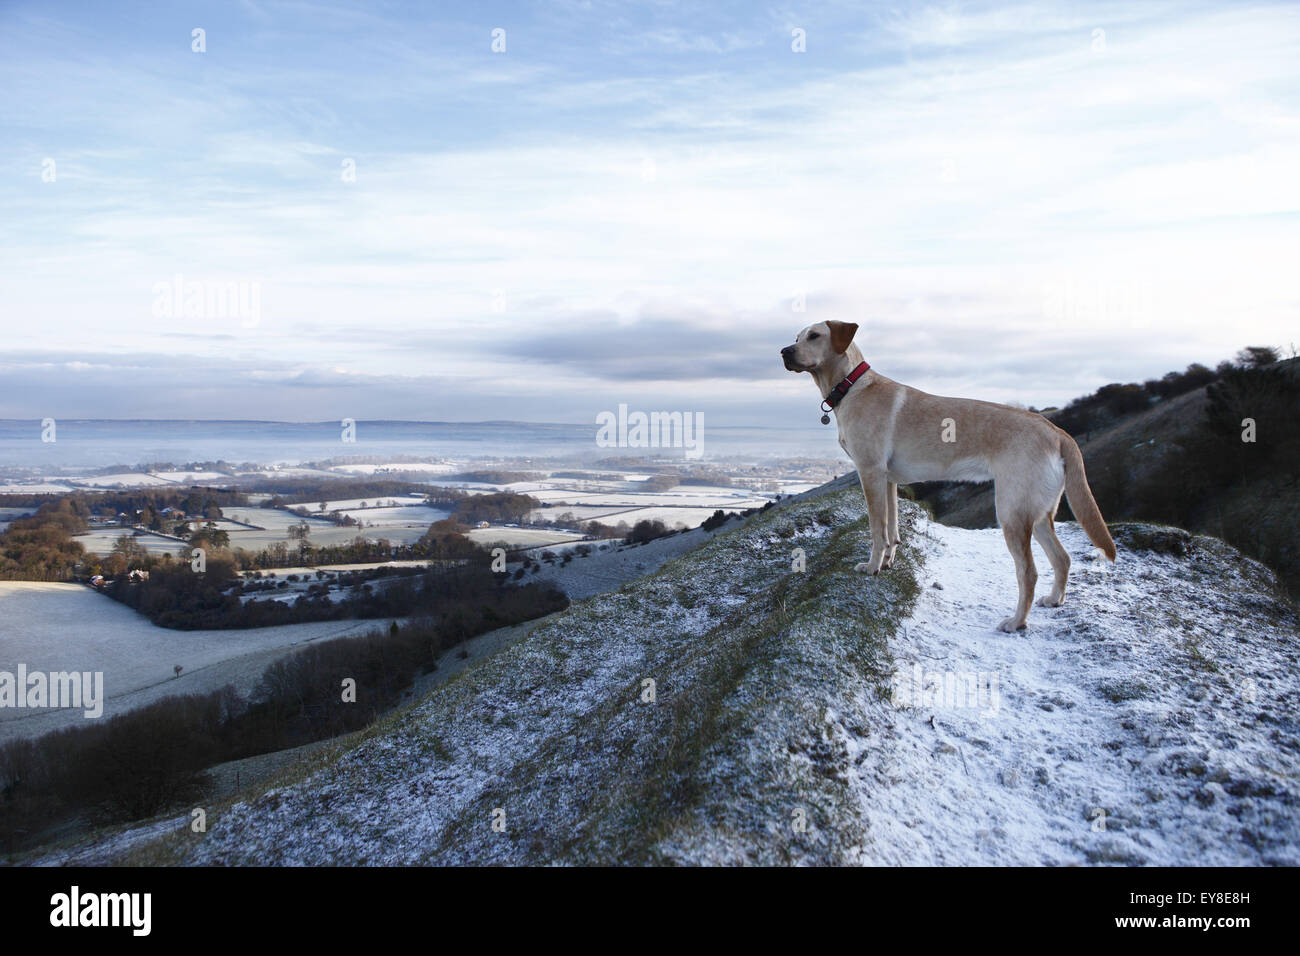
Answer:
(1150, 720)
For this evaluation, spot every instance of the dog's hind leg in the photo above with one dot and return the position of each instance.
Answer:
(1018, 531)
(1045, 535)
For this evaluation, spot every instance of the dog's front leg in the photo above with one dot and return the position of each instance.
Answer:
(891, 525)
(875, 487)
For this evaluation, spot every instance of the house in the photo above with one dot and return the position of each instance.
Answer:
(138, 575)
(483, 524)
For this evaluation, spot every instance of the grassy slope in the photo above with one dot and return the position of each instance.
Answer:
(749, 659)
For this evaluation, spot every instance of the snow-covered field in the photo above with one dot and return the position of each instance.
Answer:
(275, 519)
(287, 471)
(652, 499)
(55, 627)
(34, 488)
(403, 524)
(432, 468)
(794, 487)
(401, 516)
(127, 479)
(348, 505)
(671, 517)
(579, 512)
(102, 540)
(684, 506)
(277, 573)
(192, 477)
(520, 537)
(221, 524)
(338, 534)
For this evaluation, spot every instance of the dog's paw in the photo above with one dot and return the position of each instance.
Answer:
(1047, 601)
(1011, 625)
(865, 568)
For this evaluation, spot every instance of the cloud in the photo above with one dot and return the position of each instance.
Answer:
(633, 196)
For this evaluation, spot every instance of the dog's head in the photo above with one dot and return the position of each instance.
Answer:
(818, 344)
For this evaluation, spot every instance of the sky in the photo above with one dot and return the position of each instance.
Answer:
(537, 212)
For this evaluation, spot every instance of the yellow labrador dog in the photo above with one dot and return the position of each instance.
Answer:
(897, 435)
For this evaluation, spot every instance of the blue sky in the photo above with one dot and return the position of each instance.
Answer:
(633, 203)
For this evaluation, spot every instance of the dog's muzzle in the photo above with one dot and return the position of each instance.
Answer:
(787, 356)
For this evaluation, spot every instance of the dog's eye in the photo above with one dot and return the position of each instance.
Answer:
(813, 335)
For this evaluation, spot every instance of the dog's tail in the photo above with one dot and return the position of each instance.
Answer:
(1082, 503)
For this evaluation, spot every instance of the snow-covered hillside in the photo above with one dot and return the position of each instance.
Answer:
(1152, 719)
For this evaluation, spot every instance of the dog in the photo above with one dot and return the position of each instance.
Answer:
(898, 435)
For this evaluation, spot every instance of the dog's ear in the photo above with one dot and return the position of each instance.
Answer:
(841, 334)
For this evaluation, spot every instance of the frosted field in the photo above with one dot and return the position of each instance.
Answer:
(520, 537)
(101, 541)
(281, 573)
(695, 491)
(403, 534)
(221, 524)
(690, 517)
(350, 504)
(403, 516)
(670, 499)
(273, 519)
(288, 472)
(579, 512)
(559, 495)
(323, 534)
(795, 487)
(428, 467)
(260, 540)
(55, 627)
(187, 477)
(404, 524)
(530, 487)
(128, 479)
(34, 488)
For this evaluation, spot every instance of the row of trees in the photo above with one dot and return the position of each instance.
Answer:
(498, 507)
(1114, 401)
(41, 548)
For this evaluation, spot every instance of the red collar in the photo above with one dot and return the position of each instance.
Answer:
(839, 391)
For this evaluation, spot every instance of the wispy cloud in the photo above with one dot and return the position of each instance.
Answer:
(640, 193)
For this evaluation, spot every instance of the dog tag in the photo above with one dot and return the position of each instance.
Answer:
(826, 419)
